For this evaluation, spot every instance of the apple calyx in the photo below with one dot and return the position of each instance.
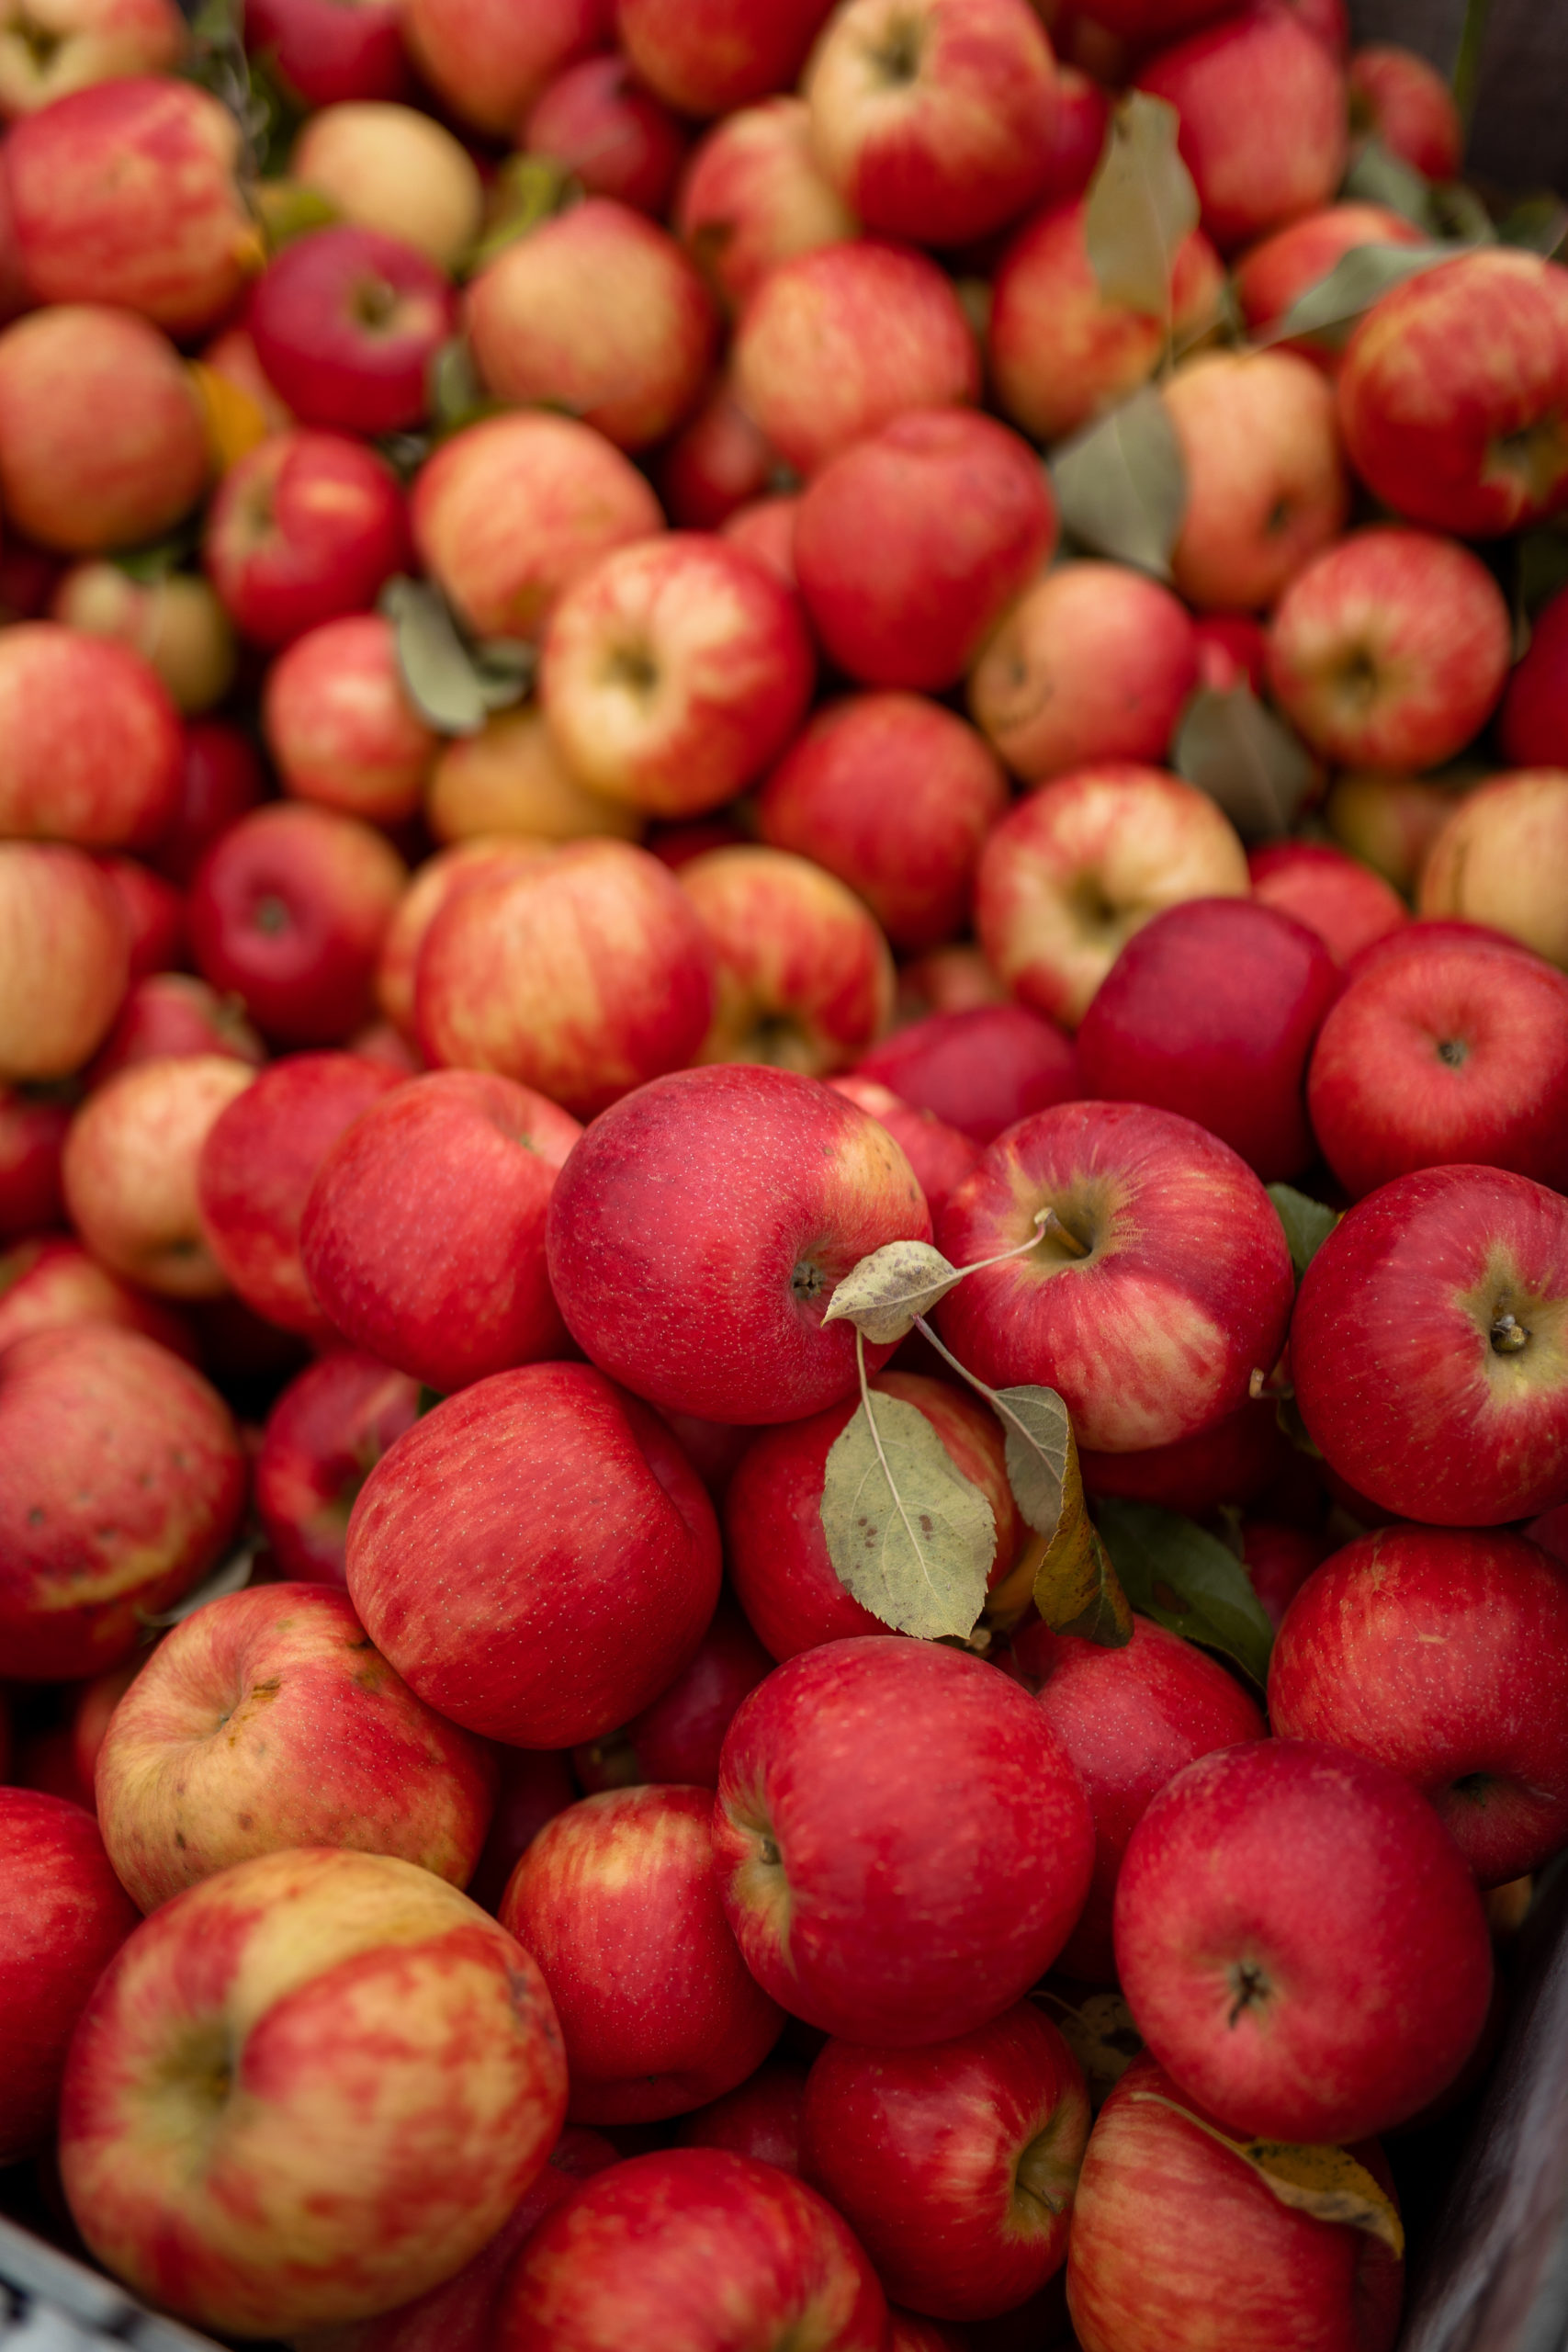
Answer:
(896, 57)
(1041, 2176)
(1251, 1986)
(760, 1882)
(1510, 1336)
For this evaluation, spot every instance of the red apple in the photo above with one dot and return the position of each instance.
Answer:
(773, 1514)
(1266, 487)
(752, 1346)
(63, 1914)
(535, 1784)
(598, 311)
(469, 1296)
(940, 1156)
(102, 440)
(323, 1436)
(1068, 877)
(610, 134)
(1211, 1009)
(706, 57)
(677, 1738)
(1058, 351)
(257, 1166)
(169, 1014)
(754, 194)
(121, 1480)
(1301, 1941)
(580, 973)
(89, 740)
(1344, 902)
(1162, 1286)
(329, 53)
(1094, 662)
(85, 42)
(886, 1910)
(1163, 2211)
(128, 193)
(1425, 1349)
(1498, 857)
(1278, 1559)
(129, 1170)
(1271, 275)
(341, 726)
(1078, 136)
(64, 959)
(933, 120)
(434, 883)
(1131, 1719)
(1451, 394)
(954, 2164)
(1262, 121)
(805, 979)
(1230, 1463)
(1407, 107)
(287, 912)
(155, 915)
(1443, 1655)
(895, 796)
(909, 546)
(346, 321)
(766, 529)
(306, 526)
(1531, 729)
(220, 778)
(558, 1616)
(761, 2120)
(718, 465)
(176, 624)
(979, 1069)
(307, 2089)
(47, 1283)
(390, 168)
(1457, 1052)
(674, 671)
(488, 59)
(33, 1136)
(837, 342)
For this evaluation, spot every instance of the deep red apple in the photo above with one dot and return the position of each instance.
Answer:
(1407, 107)
(611, 135)
(1231, 1461)
(979, 1070)
(761, 2118)
(47, 1282)
(679, 1738)
(171, 1014)
(220, 778)
(535, 1784)
(1531, 729)
(329, 53)
(323, 1437)
(717, 465)
(1344, 902)
(706, 57)
(346, 321)
(1278, 1559)
(32, 1134)
(306, 526)
(154, 914)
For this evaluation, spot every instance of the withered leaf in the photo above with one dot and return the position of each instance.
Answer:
(1121, 483)
(1140, 205)
(882, 1295)
(1327, 2182)
(1100, 2032)
(1076, 1589)
(908, 1535)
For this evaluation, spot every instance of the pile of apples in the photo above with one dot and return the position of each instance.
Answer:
(695, 1059)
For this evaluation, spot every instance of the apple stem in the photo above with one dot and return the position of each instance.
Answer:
(1508, 1335)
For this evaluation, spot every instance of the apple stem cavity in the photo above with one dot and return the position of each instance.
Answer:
(1509, 1334)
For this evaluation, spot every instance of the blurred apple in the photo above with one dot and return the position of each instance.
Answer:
(341, 725)
(392, 169)
(754, 194)
(804, 976)
(306, 526)
(64, 959)
(1094, 662)
(1266, 487)
(1497, 859)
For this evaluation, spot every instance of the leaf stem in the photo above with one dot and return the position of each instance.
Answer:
(876, 1441)
(1046, 1220)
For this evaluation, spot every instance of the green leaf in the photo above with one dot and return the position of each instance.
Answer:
(526, 191)
(428, 1400)
(1188, 1581)
(1121, 484)
(1327, 2183)
(1234, 749)
(1074, 1586)
(1356, 280)
(908, 1535)
(457, 395)
(1375, 176)
(1462, 215)
(1538, 225)
(1306, 1221)
(1140, 205)
(453, 687)
(882, 1295)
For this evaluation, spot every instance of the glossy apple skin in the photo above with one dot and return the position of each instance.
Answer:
(103, 439)
(1058, 351)
(346, 322)
(954, 2164)
(910, 545)
(895, 796)
(33, 1129)
(886, 1912)
(341, 726)
(323, 1436)
(1263, 116)
(1094, 662)
(490, 60)
(637, 1290)
(47, 1283)
(933, 123)
(615, 1898)
(1163, 2210)
(1279, 1559)
(434, 881)
(404, 2077)
(1267, 487)
(1319, 2002)
(979, 1070)
(610, 133)
(121, 1482)
(707, 57)
(257, 1166)
(1211, 1010)
(64, 959)
(1444, 1655)
(1131, 1719)
(63, 1914)
(582, 975)
(1407, 107)
(754, 194)
(1271, 275)
(330, 54)
(507, 512)
(1450, 393)
(1390, 650)
(453, 1292)
(675, 672)
(266, 1720)
(1530, 726)
(1347, 903)
(761, 2118)
(1498, 858)
(716, 465)
(1116, 835)
(127, 193)
(1232, 1461)
(306, 526)
(777, 1551)
(1391, 1349)
(601, 313)
(837, 342)
(1185, 1290)
(940, 1156)
(91, 740)
(678, 1739)
(805, 979)
(1458, 1052)
(287, 911)
(129, 1170)
(553, 1622)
